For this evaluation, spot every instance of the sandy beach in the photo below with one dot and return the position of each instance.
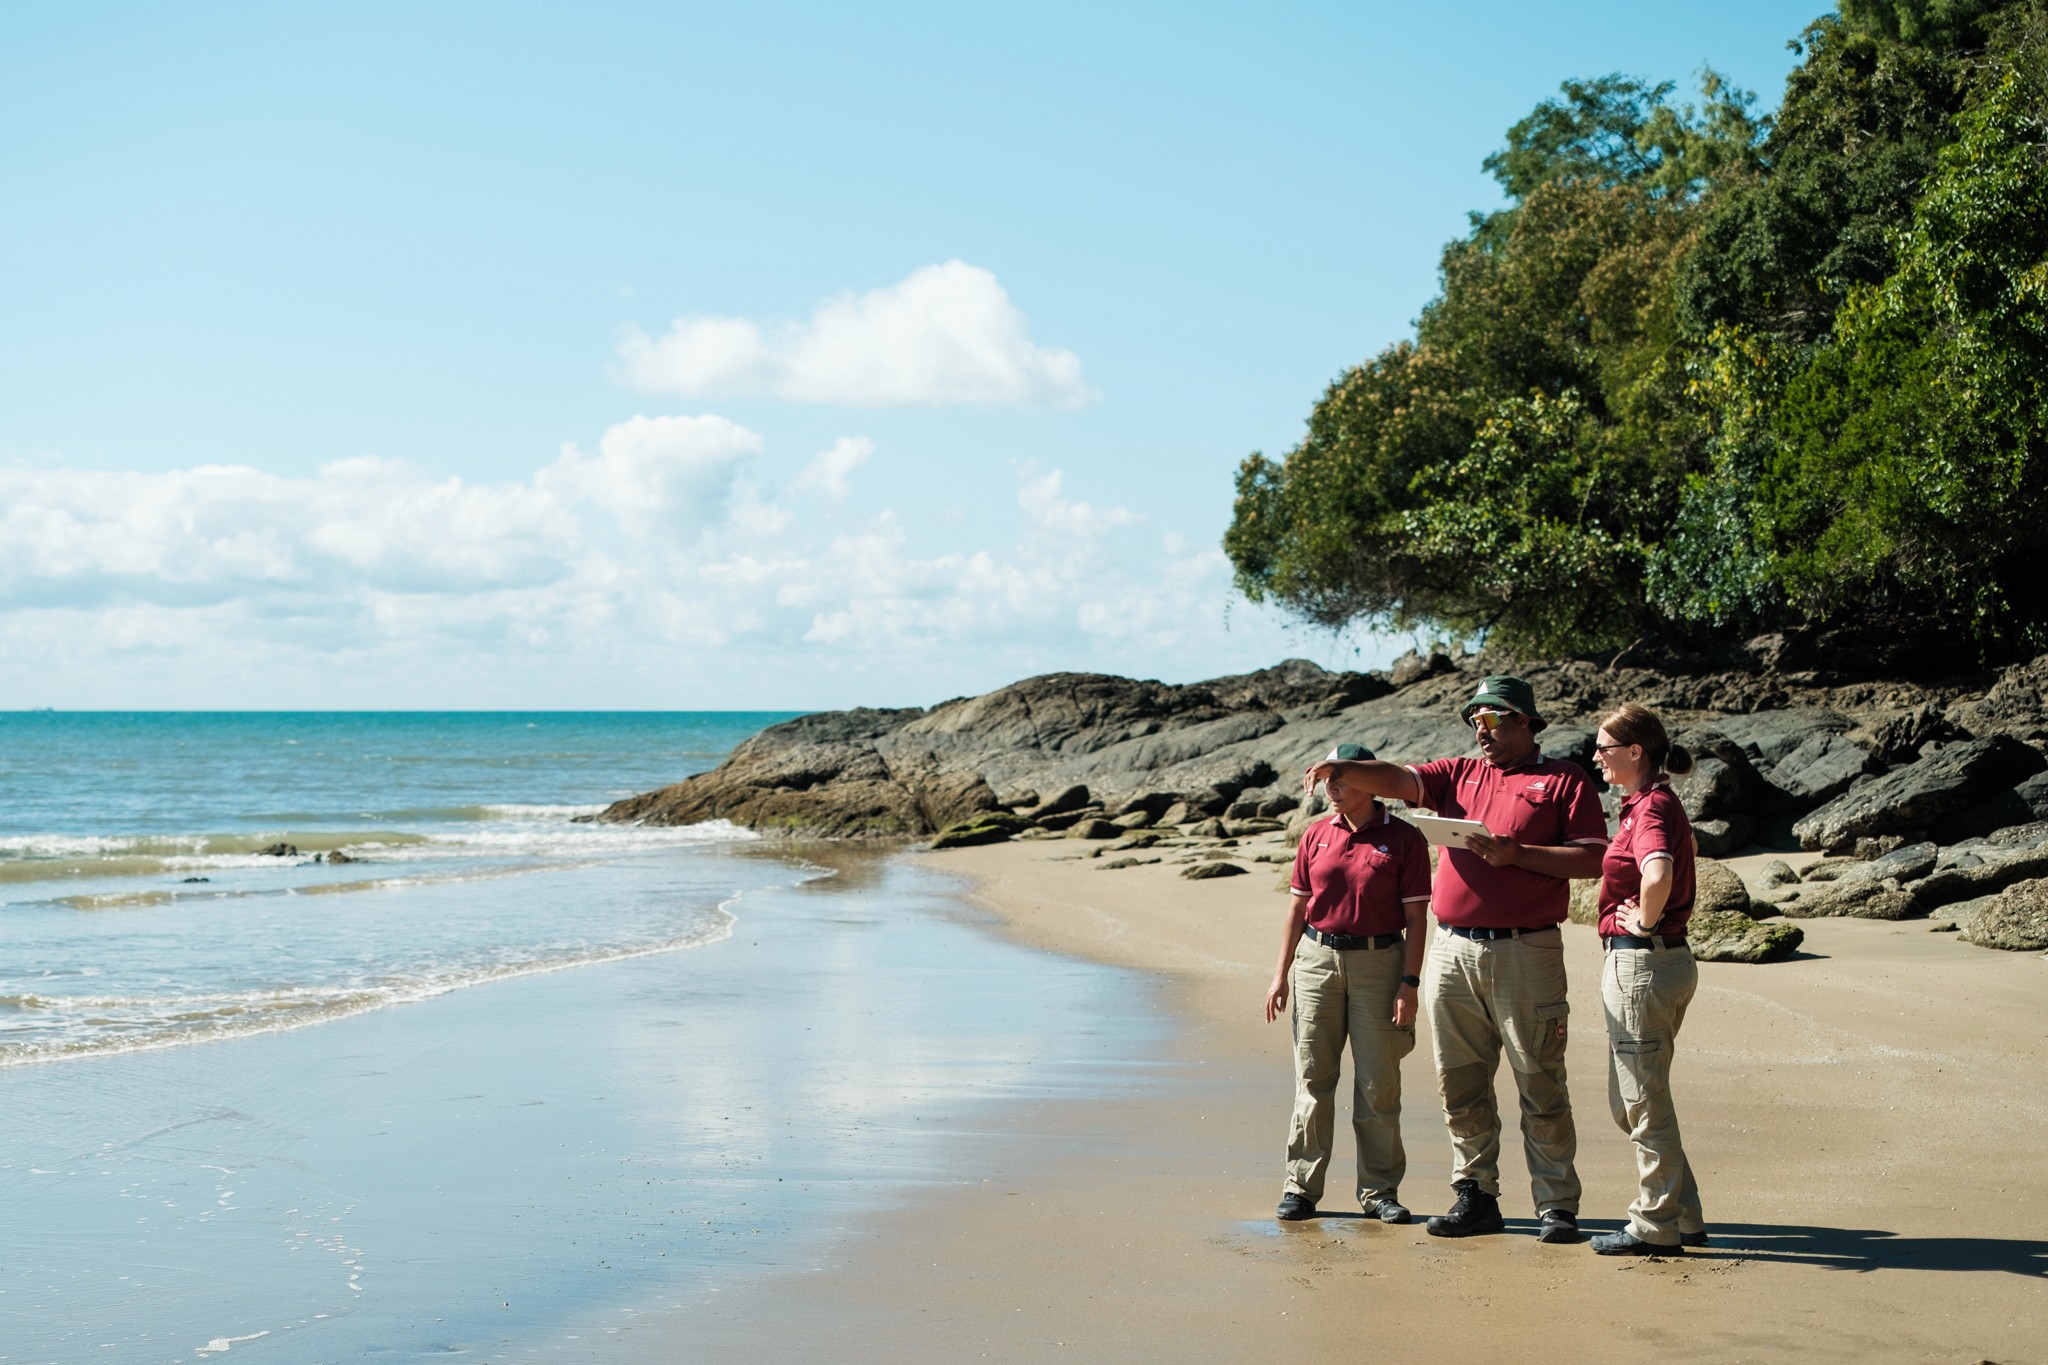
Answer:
(1867, 1121)
(525, 1168)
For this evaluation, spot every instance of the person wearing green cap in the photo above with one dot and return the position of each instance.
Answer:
(1350, 949)
(1495, 980)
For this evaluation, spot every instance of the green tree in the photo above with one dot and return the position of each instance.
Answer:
(1703, 374)
(1914, 447)
(1547, 364)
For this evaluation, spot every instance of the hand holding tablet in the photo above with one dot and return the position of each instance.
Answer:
(1441, 830)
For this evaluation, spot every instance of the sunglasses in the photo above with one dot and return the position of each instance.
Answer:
(1491, 720)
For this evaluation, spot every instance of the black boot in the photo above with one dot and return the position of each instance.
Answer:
(1476, 1211)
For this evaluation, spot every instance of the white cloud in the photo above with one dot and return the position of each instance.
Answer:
(658, 570)
(943, 334)
(831, 471)
(658, 473)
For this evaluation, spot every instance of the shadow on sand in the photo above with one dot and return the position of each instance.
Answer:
(1862, 1249)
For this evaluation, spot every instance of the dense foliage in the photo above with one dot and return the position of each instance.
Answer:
(1709, 373)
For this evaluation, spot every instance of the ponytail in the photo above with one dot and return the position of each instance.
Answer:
(1633, 724)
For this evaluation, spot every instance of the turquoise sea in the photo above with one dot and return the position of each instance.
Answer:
(500, 1086)
(137, 907)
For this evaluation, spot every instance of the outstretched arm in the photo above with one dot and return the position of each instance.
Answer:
(1384, 780)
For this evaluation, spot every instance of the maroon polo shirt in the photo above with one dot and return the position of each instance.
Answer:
(1542, 801)
(1357, 880)
(1653, 825)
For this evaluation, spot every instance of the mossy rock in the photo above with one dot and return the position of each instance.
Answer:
(1726, 936)
(1585, 904)
(992, 828)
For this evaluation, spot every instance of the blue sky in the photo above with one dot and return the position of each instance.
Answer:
(708, 356)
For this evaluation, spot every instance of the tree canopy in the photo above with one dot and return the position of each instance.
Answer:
(1709, 372)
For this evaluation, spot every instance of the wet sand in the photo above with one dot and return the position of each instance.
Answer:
(1869, 1123)
(524, 1169)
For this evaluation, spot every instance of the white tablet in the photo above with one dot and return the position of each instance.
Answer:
(1439, 830)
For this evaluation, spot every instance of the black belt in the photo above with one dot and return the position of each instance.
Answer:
(1614, 941)
(1486, 935)
(1346, 942)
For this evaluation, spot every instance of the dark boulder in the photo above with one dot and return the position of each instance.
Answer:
(1067, 799)
(1154, 804)
(1777, 872)
(1412, 667)
(2015, 704)
(1723, 784)
(1905, 737)
(2016, 919)
(992, 828)
(1201, 872)
(1247, 804)
(1279, 804)
(1718, 891)
(1915, 796)
(1820, 769)
(1721, 838)
(1066, 819)
(1968, 873)
(2022, 805)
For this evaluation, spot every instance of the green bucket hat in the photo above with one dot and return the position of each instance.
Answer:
(1347, 753)
(1508, 694)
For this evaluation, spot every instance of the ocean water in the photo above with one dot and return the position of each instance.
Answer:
(138, 908)
(499, 1087)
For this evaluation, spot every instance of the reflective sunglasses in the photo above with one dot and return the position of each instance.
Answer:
(1486, 719)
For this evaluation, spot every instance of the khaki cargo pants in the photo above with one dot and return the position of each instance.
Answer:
(1644, 992)
(1341, 997)
(1504, 995)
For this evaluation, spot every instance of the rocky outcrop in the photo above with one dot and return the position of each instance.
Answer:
(1924, 792)
(1951, 781)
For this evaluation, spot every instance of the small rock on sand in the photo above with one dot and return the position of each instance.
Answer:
(1202, 872)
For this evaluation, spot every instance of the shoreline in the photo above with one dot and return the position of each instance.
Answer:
(1871, 1107)
(525, 1170)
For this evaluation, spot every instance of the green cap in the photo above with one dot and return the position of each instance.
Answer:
(1348, 753)
(1506, 694)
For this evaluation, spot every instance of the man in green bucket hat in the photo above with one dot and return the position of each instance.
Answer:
(1495, 979)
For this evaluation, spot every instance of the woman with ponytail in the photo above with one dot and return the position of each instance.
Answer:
(1648, 978)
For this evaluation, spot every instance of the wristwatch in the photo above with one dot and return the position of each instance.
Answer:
(1414, 981)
